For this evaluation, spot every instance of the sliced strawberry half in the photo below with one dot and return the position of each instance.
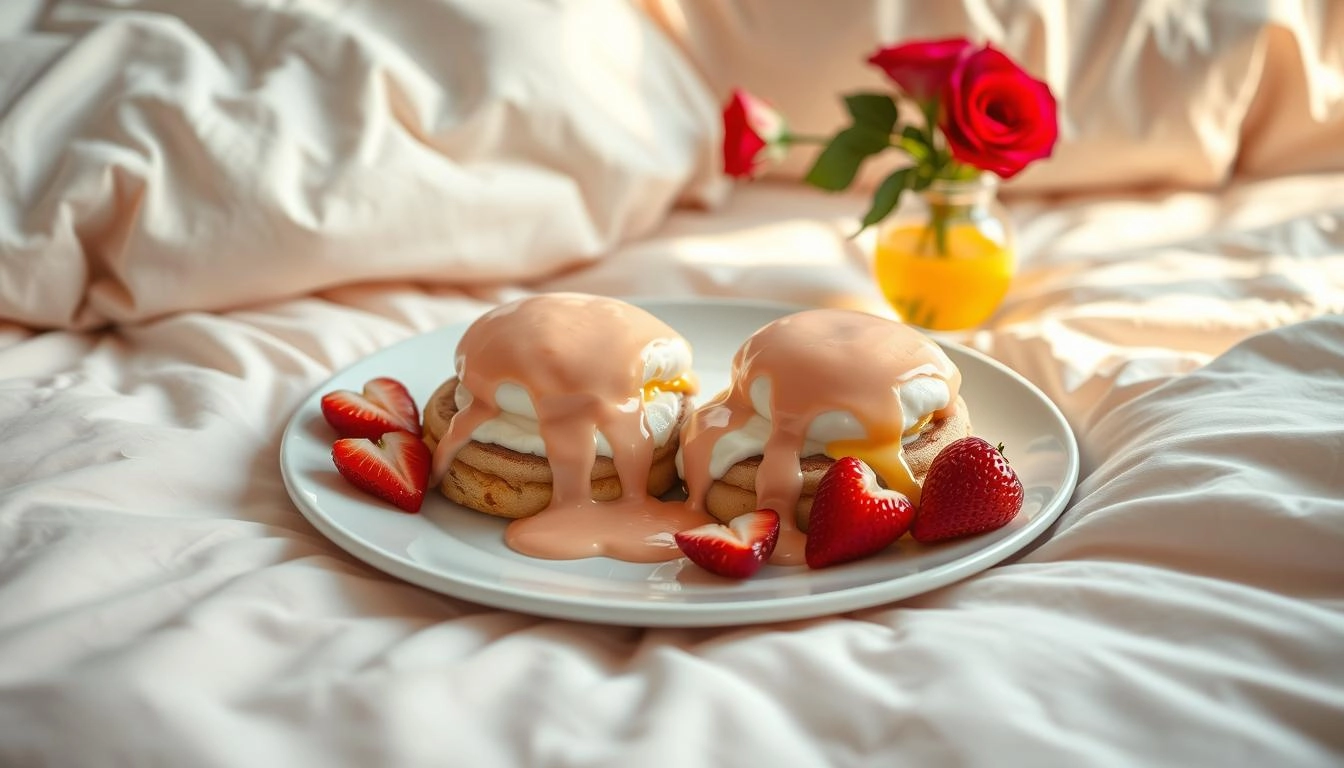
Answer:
(853, 516)
(384, 406)
(970, 488)
(735, 550)
(395, 467)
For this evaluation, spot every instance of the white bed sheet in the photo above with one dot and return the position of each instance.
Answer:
(162, 601)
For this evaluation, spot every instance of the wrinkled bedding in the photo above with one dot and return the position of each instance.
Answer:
(207, 212)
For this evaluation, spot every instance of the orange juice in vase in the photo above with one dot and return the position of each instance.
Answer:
(947, 265)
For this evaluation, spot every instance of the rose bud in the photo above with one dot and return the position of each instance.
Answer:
(753, 133)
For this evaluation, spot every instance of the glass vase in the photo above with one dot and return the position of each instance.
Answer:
(945, 259)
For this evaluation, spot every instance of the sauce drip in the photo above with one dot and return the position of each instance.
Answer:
(817, 361)
(580, 359)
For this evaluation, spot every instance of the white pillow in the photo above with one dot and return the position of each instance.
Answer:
(201, 154)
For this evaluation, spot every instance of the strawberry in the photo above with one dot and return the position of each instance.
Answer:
(853, 516)
(735, 550)
(395, 467)
(970, 489)
(384, 406)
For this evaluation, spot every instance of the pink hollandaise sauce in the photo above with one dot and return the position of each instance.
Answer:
(817, 361)
(581, 361)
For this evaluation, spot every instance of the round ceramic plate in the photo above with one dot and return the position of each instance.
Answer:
(459, 552)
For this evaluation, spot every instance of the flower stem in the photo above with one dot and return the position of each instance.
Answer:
(939, 216)
(803, 138)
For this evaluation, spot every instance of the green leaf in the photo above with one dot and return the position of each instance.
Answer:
(866, 139)
(838, 164)
(876, 111)
(835, 167)
(886, 197)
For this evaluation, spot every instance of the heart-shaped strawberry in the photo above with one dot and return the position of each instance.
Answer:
(853, 516)
(735, 550)
(384, 406)
(970, 488)
(395, 467)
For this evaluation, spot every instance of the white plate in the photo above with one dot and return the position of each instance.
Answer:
(461, 553)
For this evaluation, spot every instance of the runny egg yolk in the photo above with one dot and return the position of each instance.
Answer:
(683, 384)
(887, 460)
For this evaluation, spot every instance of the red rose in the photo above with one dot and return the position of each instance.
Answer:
(995, 116)
(749, 126)
(921, 68)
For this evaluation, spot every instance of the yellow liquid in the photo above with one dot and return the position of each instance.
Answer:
(943, 293)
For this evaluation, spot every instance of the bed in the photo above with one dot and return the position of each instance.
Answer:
(211, 208)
